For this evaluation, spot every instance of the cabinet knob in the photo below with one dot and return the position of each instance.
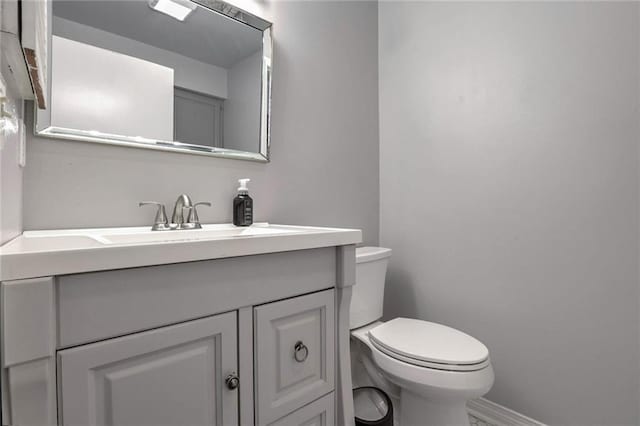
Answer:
(300, 351)
(232, 381)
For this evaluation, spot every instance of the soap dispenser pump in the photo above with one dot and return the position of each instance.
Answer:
(243, 205)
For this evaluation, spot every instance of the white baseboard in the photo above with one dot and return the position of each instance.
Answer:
(498, 415)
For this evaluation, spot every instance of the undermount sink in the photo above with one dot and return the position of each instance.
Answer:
(142, 235)
(208, 232)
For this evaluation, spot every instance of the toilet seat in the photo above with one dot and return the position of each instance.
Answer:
(429, 345)
(440, 383)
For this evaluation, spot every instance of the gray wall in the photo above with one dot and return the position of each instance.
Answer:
(509, 192)
(242, 107)
(324, 168)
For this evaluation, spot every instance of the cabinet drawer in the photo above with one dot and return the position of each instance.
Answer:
(318, 413)
(294, 353)
(101, 305)
(169, 376)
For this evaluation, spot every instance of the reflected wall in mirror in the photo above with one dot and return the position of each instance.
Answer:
(192, 76)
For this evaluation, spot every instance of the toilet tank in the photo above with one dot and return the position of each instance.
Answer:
(368, 293)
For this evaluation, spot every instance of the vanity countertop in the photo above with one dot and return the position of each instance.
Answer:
(59, 252)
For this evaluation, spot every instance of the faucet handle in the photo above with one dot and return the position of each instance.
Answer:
(160, 223)
(193, 214)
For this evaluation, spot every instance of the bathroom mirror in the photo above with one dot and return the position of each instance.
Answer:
(181, 75)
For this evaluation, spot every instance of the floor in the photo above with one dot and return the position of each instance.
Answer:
(477, 422)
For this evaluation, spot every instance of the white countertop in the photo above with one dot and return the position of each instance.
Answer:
(59, 252)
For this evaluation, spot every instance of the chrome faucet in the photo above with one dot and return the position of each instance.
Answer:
(185, 215)
(182, 203)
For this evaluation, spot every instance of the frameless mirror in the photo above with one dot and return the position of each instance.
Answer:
(192, 76)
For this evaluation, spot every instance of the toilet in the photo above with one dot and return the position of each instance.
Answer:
(429, 370)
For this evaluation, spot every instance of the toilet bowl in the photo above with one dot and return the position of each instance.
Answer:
(432, 369)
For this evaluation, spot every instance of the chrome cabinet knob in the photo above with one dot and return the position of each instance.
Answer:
(300, 351)
(232, 381)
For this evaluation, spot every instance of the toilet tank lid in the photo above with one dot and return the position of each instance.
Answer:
(369, 254)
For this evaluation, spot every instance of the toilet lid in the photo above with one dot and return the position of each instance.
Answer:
(429, 342)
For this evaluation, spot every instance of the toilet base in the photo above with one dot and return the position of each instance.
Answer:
(415, 410)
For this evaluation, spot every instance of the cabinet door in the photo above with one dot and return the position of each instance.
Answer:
(318, 413)
(169, 376)
(294, 353)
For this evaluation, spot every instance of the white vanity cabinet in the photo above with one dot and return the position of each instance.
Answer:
(295, 353)
(246, 340)
(318, 413)
(173, 375)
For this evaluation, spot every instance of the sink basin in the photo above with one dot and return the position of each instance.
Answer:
(208, 232)
(45, 240)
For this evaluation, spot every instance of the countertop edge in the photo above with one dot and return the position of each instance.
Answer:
(17, 266)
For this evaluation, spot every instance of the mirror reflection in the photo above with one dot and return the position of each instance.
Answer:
(165, 73)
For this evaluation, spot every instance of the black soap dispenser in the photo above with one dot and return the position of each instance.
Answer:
(243, 205)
